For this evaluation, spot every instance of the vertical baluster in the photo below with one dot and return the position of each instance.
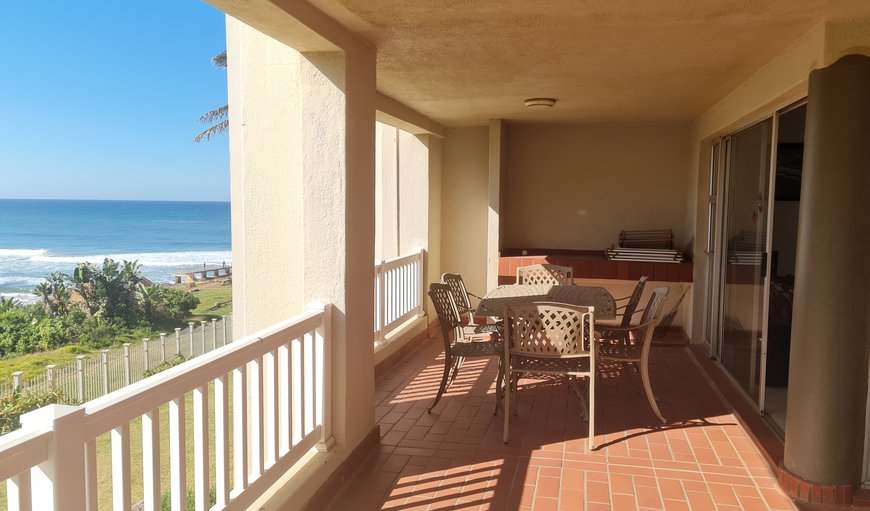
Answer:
(121, 499)
(297, 411)
(177, 456)
(284, 397)
(200, 448)
(18, 492)
(256, 432)
(308, 357)
(151, 459)
(240, 428)
(221, 441)
(271, 407)
(91, 497)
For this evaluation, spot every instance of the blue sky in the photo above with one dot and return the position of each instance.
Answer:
(100, 100)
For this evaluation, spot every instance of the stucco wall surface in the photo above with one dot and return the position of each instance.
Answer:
(575, 186)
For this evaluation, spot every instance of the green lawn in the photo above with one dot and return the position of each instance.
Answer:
(214, 302)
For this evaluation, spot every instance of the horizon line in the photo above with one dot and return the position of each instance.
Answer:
(108, 200)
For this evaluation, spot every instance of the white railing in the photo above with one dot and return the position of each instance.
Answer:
(399, 291)
(267, 396)
(93, 376)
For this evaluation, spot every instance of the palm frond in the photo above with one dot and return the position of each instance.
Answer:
(220, 60)
(214, 115)
(212, 131)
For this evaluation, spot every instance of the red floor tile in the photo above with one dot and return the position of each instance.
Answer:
(454, 458)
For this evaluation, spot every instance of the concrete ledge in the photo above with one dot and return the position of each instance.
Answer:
(345, 472)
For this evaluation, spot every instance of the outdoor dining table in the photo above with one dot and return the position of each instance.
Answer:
(494, 302)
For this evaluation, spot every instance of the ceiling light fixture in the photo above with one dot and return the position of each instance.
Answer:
(533, 102)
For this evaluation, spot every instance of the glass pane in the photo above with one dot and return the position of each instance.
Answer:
(745, 233)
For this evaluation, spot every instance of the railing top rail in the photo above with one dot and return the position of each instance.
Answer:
(398, 261)
(127, 403)
(22, 449)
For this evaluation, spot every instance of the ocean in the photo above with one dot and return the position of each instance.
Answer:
(38, 237)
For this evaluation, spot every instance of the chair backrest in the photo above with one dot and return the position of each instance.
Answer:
(633, 300)
(545, 274)
(448, 314)
(460, 294)
(548, 330)
(651, 311)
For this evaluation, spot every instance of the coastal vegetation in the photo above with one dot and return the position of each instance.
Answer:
(96, 306)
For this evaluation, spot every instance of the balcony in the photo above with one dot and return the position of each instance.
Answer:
(454, 458)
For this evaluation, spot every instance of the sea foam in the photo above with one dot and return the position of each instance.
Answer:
(21, 252)
(156, 259)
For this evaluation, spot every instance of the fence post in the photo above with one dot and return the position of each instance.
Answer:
(16, 381)
(224, 325)
(80, 377)
(145, 348)
(58, 483)
(190, 327)
(127, 370)
(323, 354)
(178, 341)
(49, 375)
(202, 336)
(105, 357)
(162, 347)
(214, 333)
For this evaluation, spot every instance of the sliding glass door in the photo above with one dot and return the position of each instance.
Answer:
(744, 255)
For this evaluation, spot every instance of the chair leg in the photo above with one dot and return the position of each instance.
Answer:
(447, 366)
(457, 365)
(499, 382)
(644, 374)
(507, 402)
(591, 413)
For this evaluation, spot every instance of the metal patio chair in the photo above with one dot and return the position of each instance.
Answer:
(632, 344)
(459, 345)
(463, 305)
(545, 274)
(551, 339)
(629, 308)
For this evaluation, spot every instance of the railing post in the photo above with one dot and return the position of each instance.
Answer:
(16, 381)
(178, 341)
(323, 352)
(421, 283)
(162, 347)
(214, 333)
(127, 369)
(105, 360)
(224, 326)
(202, 336)
(190, 327)
(379, 322)
(58, 483)
(80, 377)
(145, 356)
(49, 375)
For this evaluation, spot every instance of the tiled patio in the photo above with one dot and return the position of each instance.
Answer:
(455, 459)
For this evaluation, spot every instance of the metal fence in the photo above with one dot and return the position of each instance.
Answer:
(92, 376)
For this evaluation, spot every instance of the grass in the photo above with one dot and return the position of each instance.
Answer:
(214, 302)
(34, 363)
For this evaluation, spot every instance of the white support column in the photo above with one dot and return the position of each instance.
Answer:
(56, 485)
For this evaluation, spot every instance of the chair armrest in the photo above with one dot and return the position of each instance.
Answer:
(626, 328)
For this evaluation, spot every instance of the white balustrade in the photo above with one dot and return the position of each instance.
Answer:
(399, 291)
(275, 407)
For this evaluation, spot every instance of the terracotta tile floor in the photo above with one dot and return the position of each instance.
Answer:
(702, 459)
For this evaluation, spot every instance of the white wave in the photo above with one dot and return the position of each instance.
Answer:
(19, 281)
(23, 298)
(158, 259)
(21, 252)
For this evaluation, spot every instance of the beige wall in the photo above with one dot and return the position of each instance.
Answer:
(592, 182)
(464, 205)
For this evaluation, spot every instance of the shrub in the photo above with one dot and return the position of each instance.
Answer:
(172, 362)
(14, 406)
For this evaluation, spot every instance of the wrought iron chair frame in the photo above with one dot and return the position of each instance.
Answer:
(545, 274)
